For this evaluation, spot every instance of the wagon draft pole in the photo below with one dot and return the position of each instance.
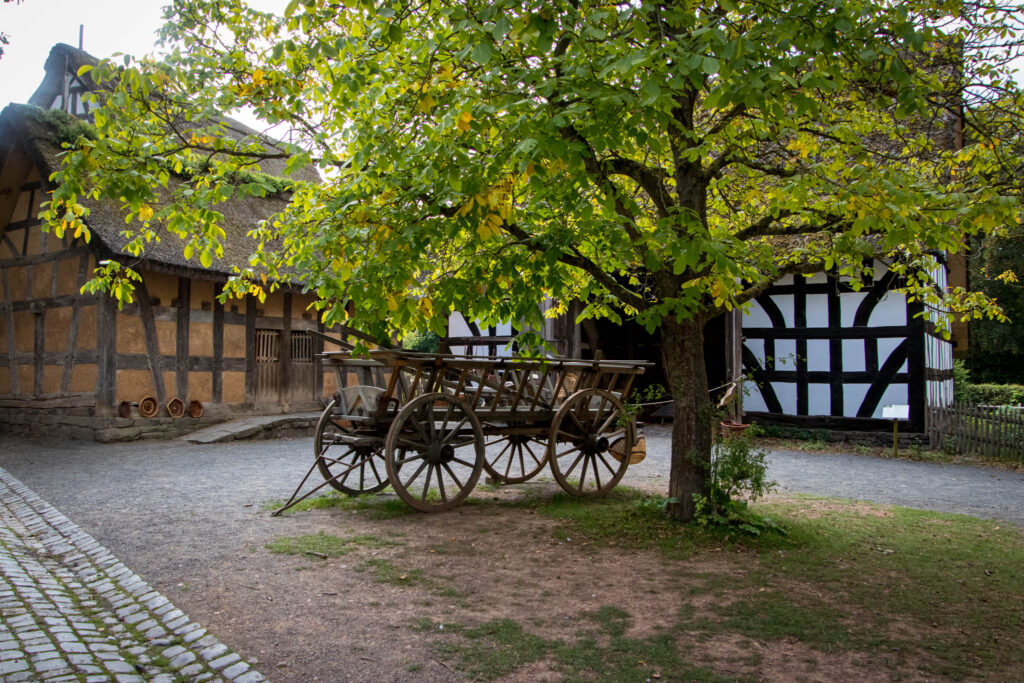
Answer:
(429, 424)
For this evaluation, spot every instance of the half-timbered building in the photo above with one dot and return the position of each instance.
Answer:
(76, 363)
(825, 354)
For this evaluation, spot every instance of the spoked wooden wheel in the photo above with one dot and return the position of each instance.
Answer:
(437, 443)
(350, 469)
(515, 458)
(582, 430)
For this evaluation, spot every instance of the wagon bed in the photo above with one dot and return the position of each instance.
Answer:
(428, 424)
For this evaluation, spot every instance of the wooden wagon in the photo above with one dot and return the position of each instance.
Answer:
(429, 424)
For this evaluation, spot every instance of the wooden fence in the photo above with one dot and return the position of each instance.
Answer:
(996, 431)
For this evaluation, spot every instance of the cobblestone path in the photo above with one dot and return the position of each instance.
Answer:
(71, 611)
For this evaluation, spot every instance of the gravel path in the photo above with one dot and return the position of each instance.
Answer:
(136, 497)
(978, 491)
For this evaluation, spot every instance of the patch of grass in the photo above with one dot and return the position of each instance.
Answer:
(848, 576)
(377, 506)
(453, 593)
(629, 519)
(502, 646)
(385, 572)
(955, 580)
(495, 649)
(612, 620)
(771, 615)
(324, 544)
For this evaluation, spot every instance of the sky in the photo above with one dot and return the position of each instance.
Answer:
(34, 26)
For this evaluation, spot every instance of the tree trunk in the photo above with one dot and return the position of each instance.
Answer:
(682, 349)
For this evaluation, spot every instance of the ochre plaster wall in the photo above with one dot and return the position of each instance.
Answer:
(130, 335)
(200, 339)
(234, 387)
(83, 377)
(87, 328)
(200, 386)
(52, 375)
(133, 385)
(57, 329)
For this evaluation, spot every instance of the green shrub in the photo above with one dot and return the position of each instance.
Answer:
(985, 393)
(784, 432)
(738, 473)
(425, 342)
(996, 394)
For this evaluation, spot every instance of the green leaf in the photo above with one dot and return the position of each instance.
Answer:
(84, 69)
(483, 52)
(501, 29)
(206, 258)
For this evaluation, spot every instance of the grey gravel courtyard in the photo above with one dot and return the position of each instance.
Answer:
(204, 501)
(187, 519)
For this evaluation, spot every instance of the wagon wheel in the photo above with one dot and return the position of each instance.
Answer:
(437, 441)
(350, 469)
(515, 458)
(584, 427)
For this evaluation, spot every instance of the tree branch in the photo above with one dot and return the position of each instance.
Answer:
(577, 260)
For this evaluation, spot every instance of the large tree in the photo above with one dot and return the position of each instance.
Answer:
(663, 162)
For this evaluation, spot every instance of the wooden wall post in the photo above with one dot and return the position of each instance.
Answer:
(285, 355)
(250, 348)
(12, 357)
(153, 357)
(38, 346)
(76, 316)
(182, 338)
(106, 352)
(217, 379)
(318, 362)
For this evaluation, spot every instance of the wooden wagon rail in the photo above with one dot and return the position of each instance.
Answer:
(428, 424)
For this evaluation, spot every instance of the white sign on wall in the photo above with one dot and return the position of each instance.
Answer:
(896, 412)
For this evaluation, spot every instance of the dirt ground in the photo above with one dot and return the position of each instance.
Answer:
(379, 612)
(402, 601)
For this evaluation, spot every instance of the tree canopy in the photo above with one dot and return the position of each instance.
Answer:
(663, 162)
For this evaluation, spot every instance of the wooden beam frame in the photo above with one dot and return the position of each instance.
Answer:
(155, 364)
(182, 338)
(106, 342)
(217, 372)
(76, 316)
(250, 348)
(285, 351)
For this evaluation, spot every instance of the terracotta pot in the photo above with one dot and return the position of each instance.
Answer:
(730, 428)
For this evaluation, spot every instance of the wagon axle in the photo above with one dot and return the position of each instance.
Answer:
(437, 453)
(594, 444)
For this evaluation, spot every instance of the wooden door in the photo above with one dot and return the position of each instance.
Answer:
(301, 375)
(299, 381)
(268, 365)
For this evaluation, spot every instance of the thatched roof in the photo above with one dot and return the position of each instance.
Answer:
(41, 133)
(66, 60)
